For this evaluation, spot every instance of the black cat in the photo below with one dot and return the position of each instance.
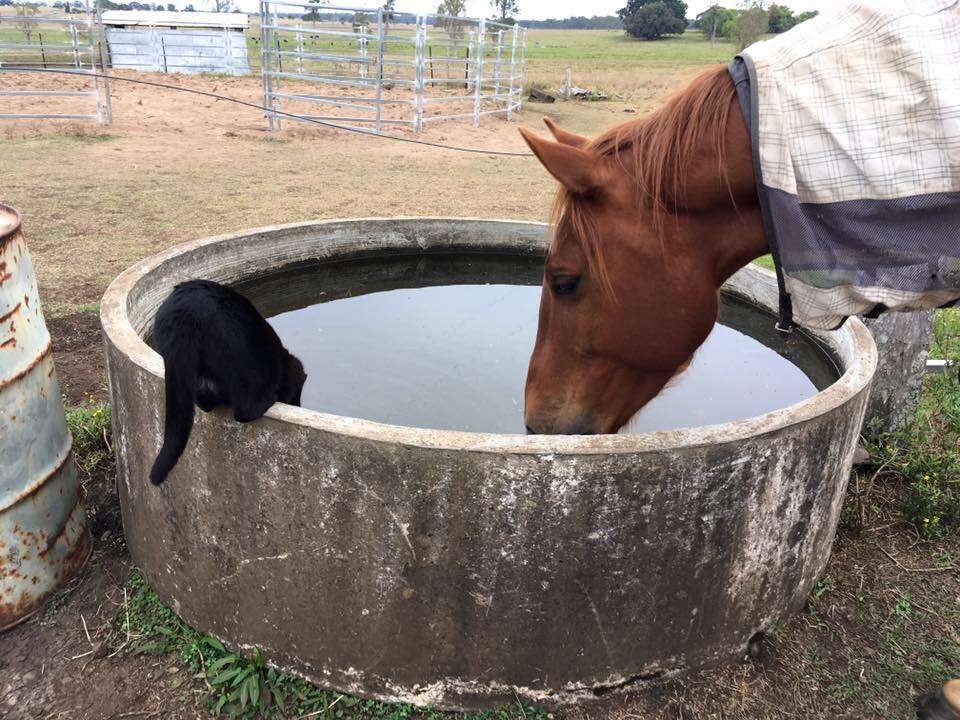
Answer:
(217, 350)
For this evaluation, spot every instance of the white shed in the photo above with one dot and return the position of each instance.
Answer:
(181, 42)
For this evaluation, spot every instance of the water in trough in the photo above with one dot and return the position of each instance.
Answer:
(443, 341)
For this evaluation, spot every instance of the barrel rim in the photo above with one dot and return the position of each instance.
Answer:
(8, 231)
(855, 380)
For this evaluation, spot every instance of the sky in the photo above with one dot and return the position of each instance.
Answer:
(536, 9)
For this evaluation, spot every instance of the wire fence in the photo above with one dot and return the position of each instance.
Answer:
(73, 41)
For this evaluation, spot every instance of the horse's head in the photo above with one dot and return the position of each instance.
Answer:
(630, 285)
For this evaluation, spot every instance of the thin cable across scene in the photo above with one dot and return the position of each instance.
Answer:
(291, 116)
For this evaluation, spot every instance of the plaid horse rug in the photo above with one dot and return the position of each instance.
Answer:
(854, 120)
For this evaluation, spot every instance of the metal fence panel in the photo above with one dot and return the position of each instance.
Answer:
(70, 44)
(180, 50)
(383, 68)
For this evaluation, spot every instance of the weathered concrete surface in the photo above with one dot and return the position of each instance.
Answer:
(454, 569)
(903, 345)
(43, 529)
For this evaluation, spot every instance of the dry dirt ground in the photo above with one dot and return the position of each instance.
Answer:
(881, 625)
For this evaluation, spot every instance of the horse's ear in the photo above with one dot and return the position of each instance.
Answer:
(576, 169)
(564, 136)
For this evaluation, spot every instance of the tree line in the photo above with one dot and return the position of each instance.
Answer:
(717, 21)
(652, 19)
(597, 22)
(170, 7)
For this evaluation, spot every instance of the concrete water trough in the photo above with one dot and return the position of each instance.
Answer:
(459, 569)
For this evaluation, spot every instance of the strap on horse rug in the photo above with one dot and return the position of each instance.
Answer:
(854, 119)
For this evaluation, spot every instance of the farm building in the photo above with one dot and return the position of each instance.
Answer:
(180, 42)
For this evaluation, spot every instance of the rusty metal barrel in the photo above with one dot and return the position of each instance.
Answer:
(44, 538)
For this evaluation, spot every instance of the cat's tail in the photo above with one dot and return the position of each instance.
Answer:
(180, 385)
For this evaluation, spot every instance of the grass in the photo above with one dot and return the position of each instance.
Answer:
(907, 657)
(615, 46)
(90, 427)
(926, 457)
(635, 71)
(244, 686)
(946, 335)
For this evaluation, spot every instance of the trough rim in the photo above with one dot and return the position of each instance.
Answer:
(856, 377)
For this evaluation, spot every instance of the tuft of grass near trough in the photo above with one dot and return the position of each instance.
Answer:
(244, 686)
(90, 427)
(925, 458)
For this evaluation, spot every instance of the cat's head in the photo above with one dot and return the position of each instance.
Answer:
(291, 384)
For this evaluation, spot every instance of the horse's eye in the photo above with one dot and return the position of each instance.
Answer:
(565, 284)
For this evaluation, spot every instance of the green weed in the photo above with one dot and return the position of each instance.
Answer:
(822, 587)
(927, 455)
(91, 430)
(946, 335)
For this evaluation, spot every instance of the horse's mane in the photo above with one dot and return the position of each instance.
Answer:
(657, 151)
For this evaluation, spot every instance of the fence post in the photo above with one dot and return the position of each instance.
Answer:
(513, 65)
(478, 73)
(273, 20)
(496, 70)
(379, 68)
(466, 65)
(300, 52)
(101, 35)
(523, 68)
(266, 80)
(420, 42)
(76, 45)
(568, 84)
(363, 51)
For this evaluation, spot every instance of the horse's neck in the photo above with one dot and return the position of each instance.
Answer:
(734, 218)
(738, 240)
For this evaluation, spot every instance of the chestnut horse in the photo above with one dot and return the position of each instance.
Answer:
(650, 219)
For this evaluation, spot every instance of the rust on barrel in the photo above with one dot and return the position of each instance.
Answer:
(43, 529)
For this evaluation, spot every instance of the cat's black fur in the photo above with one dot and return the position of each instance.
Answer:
(217, 350)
